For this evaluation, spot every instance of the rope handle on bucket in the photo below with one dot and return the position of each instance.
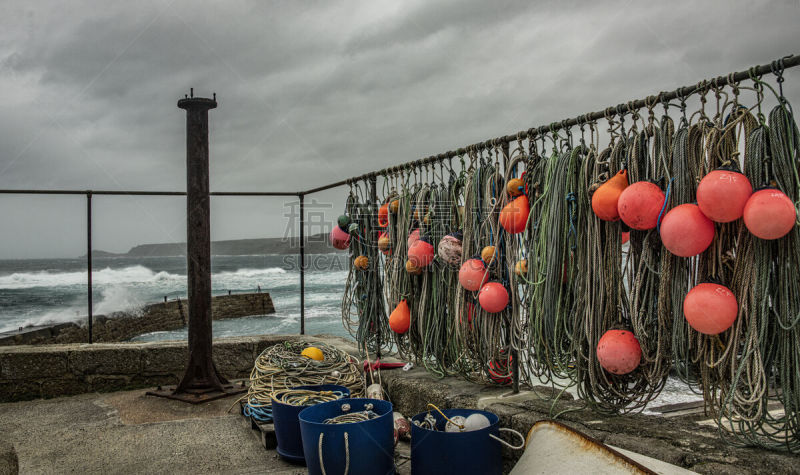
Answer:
(513, 447)
(346, 453)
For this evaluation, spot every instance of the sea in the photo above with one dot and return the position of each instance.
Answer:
(46, 291)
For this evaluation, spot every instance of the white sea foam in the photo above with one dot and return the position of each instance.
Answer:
(128, 275)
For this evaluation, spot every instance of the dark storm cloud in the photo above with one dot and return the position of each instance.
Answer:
(313, 92)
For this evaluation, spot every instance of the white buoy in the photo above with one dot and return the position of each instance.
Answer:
(476, 421)
(455, 424)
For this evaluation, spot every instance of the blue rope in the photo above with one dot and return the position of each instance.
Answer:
(260, 414)
(664, 206)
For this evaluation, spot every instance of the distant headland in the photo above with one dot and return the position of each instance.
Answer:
(315, 244)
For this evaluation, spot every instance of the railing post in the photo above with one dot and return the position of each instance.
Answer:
(509, 335)
(302, 265)
(89, 258)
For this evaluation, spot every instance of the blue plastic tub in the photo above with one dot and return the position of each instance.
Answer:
(461, 453)
(287, 425)
(357, 448)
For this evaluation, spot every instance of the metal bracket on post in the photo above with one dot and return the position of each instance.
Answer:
(201, 382)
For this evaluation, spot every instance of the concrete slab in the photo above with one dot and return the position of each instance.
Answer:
(127, 432)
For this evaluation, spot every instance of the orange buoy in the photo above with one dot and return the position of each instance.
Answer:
(384, 242)
(514, 216)
(722, 194)
(413, 237)
(515, 187)
(472, 274)
(400, 318)
(394, 205)
(626, 236)
(450, 248)
(421, 253)
(339, 238)
(710, 308)
(361, 262)
(487, 254)
(618, 351)
(383, 215)
(493, 297)
(769, 214)
(605, 197)
(412, 269)
(640, 204)
(521, 267)
(685, 231)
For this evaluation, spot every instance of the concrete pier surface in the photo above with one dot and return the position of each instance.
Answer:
(128, 432)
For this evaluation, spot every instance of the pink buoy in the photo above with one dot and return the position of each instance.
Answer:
(722, 194)
(340, 239)
(710, 308)
(493, 297)
(618, 352)
(640, 204)
(769, 214)
(472, 274)
(413, 237)
(420, 254)
(685, 231)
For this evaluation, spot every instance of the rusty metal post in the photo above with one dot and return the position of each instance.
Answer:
(202, 381)
(302, 265)
(89, 258)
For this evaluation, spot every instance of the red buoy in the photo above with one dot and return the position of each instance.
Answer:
(722, 194)
(493, 297)
(605, 197)
(400, 318)
(626, 236)
(340, 239)
(383, 215)
(514, 215)
(618, 351)
(413, 237)
(769, 214)
(421, 253)
(640, 204)
(710, 308)
(685, 231)
(472, 274)
(499, 370)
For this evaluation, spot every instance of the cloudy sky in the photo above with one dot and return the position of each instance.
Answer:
(314, 92)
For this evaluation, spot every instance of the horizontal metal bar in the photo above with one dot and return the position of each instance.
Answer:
(144, 193)
(681, 92)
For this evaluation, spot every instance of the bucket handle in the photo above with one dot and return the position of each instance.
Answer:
(346, 453)
(513, 447)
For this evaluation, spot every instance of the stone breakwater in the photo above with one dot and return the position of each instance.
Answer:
(122, 326)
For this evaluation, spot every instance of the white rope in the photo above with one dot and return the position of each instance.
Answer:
(346, 453)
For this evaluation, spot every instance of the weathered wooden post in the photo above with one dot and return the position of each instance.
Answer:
(201, 382)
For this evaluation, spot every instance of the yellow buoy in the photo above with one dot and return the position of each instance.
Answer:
(515, 187)
(521, 267)
(394, 206)
(361, 262)
(313, 353)
(412, 269)
(487, 254)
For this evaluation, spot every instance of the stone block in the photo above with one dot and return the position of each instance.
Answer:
(20, 390)
(33, 365)
(66, 386)
(107, 383)
(157, 359)
(234, 360)
(105, 361)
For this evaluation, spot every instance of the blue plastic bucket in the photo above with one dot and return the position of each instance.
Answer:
(460, 453)
(287, 425)
(356, 448)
